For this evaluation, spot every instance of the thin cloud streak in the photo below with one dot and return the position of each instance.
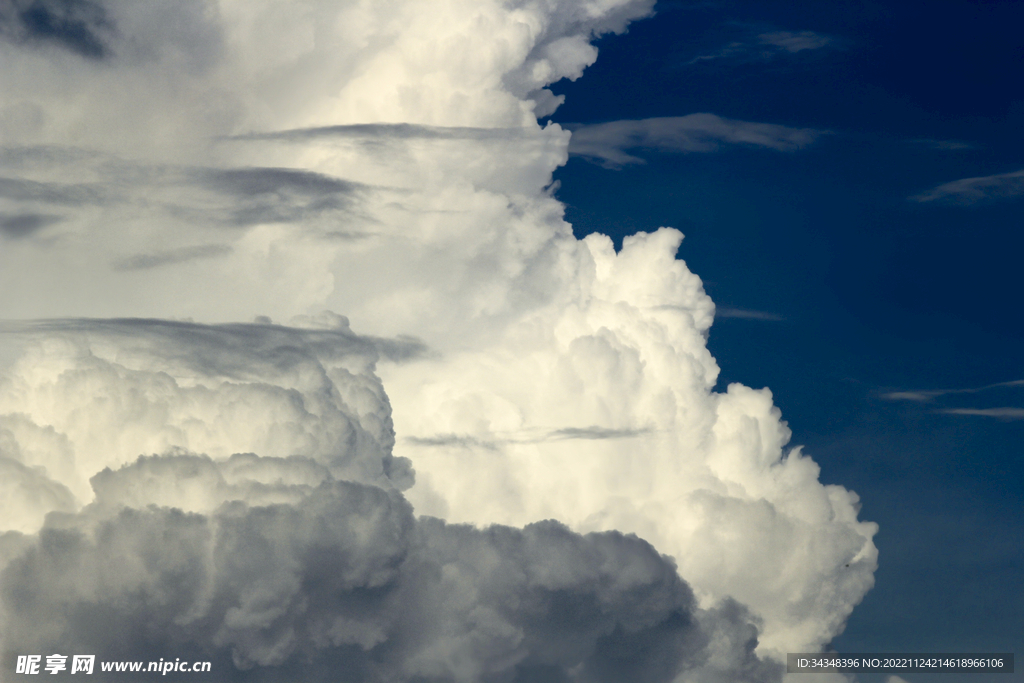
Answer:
(928, 395)
(944, 145)
(745, 314)
(972, 190)
(797, 41)
(591, 433)
(999, 413)
(396, 131)
(607, 143)
(172, 257)
(767, 45)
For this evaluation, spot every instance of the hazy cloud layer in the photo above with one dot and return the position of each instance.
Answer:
(529, 375)
(972, 190)
(610, 143)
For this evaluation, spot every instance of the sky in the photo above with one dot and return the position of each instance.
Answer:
(587, 340)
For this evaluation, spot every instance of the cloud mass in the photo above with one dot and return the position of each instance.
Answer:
(505, 462)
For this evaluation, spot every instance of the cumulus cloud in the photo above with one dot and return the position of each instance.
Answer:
(269, 161)
(968, 191)
(337, 576)
(607, 143)
(94, 394)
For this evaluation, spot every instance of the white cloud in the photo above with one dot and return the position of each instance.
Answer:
(609, 143)
(382, 160)
(972, 190)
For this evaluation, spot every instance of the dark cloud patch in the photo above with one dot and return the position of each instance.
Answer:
(746, 314)
(259, 181)
(456, 440)
(79, 26)
(170, 257)
(25, 224)
(346, 584)
(237, 350)
(278, 195)
(469, 441)
(20, 189)
(596, 433)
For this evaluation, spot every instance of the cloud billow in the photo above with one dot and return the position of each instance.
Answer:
(370, 494)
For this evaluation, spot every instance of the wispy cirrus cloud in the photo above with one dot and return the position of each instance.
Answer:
(767, 45)
(972, 190)
(927, 396)
(931, 394)
(794, 41)
(999, 413)
(943, 145)
(609, 143)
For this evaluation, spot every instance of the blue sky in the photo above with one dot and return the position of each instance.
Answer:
(846, 282)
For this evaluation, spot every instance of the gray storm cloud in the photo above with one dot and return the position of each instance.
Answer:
(227, 161)
(271, 566)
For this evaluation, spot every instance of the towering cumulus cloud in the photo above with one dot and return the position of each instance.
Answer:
(504, 462)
